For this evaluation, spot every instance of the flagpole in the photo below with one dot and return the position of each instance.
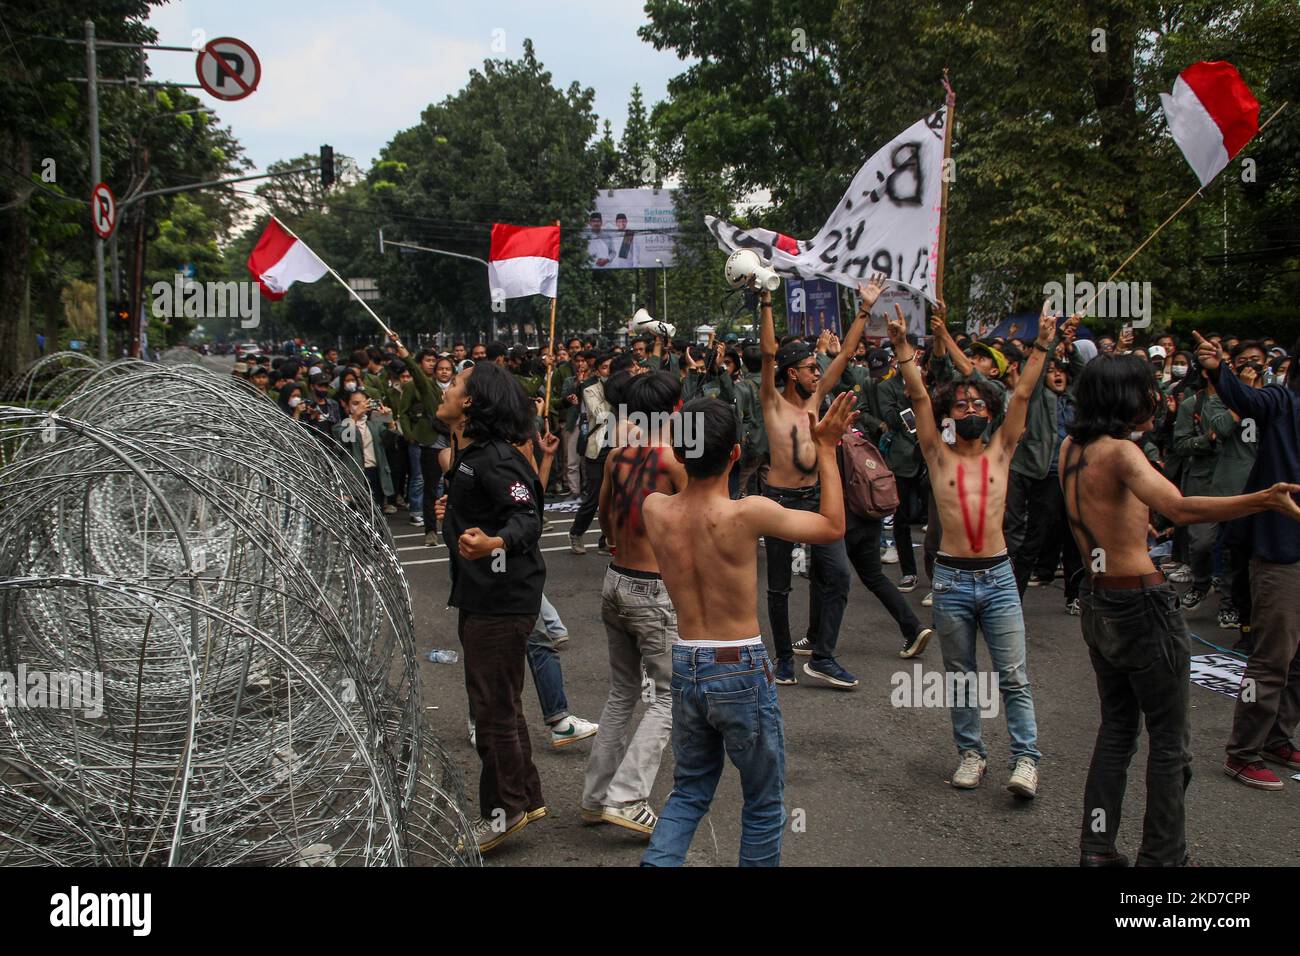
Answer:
(351, 291)
(1177, 212)
(950, 100)
(550, 368)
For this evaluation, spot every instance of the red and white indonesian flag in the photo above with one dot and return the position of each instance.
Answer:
(1212, 114)
(524, 260)
(280, 259)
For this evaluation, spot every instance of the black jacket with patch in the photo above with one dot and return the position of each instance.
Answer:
(493, 488)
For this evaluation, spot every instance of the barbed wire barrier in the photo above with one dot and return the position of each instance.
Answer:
(206, 634)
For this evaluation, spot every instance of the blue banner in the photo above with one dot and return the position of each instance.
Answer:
(811, 306)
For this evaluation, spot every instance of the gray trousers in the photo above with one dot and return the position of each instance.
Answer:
(1269, 720)
(641, 625)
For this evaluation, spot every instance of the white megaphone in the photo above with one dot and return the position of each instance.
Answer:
(744, 265)
(643, 321)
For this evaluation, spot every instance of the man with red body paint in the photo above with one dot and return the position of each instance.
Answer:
(974, 582)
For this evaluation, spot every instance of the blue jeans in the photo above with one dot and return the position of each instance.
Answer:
(990, 601)
(415, 489)
(544, 662)
(724, 707)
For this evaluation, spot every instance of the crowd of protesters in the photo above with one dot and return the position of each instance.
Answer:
(970, 433)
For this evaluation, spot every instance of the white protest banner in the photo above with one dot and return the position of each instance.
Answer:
(887, 221)
(1218, 672)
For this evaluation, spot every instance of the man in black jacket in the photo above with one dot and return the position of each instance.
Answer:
(492, 527)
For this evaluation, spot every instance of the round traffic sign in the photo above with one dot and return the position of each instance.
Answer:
(103, 210)
(228, 68)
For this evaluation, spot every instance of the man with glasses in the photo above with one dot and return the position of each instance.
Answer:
(791, 393)
(974, 582)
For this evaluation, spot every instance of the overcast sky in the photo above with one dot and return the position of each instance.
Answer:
(352, 74)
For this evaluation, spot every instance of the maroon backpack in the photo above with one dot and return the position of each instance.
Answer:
(870, 490)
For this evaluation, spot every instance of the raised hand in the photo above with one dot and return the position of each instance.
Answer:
(869, 293)
(1207, 353)
(897, 329)
(835, 422)
(1247, 376)
(824, 341)
(401, 349)
(1070, 326)
(1046, 324)
(549, 442)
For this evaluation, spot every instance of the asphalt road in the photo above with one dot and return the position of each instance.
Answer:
(871, 779)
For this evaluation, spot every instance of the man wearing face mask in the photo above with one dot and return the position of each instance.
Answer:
(1264, 723)
(792, 391)
(974, 581)
(1238, 443)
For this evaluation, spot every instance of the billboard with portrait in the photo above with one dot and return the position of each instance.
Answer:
(631, 229)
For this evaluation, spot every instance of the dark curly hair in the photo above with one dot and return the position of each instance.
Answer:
(946, 394)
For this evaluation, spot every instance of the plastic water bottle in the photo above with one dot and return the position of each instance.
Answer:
(443, 657)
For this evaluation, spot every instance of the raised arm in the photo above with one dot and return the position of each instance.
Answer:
(1256, 403)
(867, 296)
(767, 391)
(1013, 424)
(939, 326)
(927, 435)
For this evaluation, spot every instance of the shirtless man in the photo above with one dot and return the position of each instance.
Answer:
(1132, 621)
(791, 389)
(724, 698)
(974, 583)
(640, 622)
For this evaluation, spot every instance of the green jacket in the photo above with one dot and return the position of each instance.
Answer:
(1192, 441)
(417, 406)
(1037, 449)
(753, 435)
(857, 378)
(1236, 456)
(716, 385)
(903, 452)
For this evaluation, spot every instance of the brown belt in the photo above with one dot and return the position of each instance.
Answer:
(1126, 582)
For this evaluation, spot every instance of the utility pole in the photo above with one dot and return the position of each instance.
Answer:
(92, 74)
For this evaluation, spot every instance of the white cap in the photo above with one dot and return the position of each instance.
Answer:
(1156, 351)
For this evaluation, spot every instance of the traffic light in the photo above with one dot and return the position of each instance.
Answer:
(326, 166)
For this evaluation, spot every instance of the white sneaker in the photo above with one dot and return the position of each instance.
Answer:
(417, 520)
(390, 509)
(928, 600)
(637, 817)
(571, 730)
(1024, 779)
(890, 556)
(970, 771)
(473, 738)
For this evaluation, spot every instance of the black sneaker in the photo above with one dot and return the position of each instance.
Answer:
(916, 645)
(907, 583)
(1194, 599)
(1228, 621)
(785, 671)
(803, 647)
